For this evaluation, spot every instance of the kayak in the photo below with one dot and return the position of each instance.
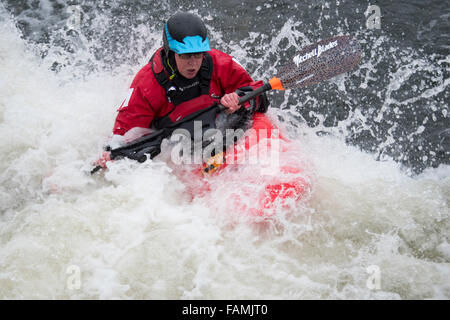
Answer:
(260, 174)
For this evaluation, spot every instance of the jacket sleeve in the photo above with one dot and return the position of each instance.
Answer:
(135, 111)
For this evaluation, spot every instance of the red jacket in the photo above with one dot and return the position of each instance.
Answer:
(147, 99)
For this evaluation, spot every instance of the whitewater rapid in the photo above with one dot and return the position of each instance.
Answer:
(366, 230)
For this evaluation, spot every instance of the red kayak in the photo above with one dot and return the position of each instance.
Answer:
(277, 180)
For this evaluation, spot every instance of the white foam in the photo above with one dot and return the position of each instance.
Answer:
(135, 232)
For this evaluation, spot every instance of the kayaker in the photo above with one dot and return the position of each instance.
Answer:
(183, 76)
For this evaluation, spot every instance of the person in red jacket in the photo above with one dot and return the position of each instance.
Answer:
(185, 76)
(182, 77)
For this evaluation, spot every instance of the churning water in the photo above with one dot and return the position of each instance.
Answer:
(375, 224)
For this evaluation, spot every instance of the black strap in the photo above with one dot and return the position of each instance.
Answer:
(170, 85)
(206, 74)
(161, 77)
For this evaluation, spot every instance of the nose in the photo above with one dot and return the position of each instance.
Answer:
(191, 60)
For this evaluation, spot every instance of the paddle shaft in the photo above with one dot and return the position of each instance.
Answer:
(255, 93)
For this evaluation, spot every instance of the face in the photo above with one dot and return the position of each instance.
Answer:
(189, 64)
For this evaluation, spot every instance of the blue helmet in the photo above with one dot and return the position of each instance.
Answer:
(185, 33)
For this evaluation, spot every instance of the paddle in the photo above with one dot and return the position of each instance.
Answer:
(315, 63)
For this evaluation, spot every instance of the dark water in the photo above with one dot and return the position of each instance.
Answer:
(395, 105)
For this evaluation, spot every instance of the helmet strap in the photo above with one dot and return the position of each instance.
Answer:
(170, 66)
